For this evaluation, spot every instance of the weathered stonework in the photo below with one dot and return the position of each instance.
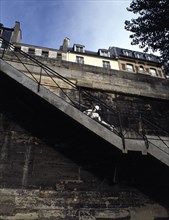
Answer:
(53, 168)
(99, 78)
(58, 178)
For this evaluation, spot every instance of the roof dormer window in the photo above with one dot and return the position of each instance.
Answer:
(79, 48)
(104, 53)
(148, 57)
(138, 55)
(127, 53)
(31, 51)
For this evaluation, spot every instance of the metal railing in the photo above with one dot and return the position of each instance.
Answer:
(75, 95)
(157, 131)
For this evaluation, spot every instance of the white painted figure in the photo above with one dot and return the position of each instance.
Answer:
(93, 113)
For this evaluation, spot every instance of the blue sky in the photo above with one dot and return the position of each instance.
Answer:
(93, 23)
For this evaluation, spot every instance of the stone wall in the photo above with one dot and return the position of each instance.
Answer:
(134, 95)
(98, 78)
(59, 178)
(53, 168)
(74, 205)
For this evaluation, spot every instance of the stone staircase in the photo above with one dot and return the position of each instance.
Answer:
(158, 147)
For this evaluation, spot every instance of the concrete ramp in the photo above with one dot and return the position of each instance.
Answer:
(159, 148)
(62, 105)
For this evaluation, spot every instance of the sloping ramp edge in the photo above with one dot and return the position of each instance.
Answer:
(59, 103)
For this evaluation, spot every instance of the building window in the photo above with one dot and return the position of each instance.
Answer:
(138, 55)
(31, 51)
(104, 53)
(148, 57)
(153, 72)
(24, 49)
(45, 53)
(106, 64)
(123, 66)
(79, 48)
(59, 56)
(129, 67)
(17, 49)
(80, 59)
(52, 54)
(127, 53)
(38, 52)
(141, 69)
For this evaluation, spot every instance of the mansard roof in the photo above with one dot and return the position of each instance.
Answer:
(117, 52)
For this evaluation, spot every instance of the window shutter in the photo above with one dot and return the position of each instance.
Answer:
(123, 66)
